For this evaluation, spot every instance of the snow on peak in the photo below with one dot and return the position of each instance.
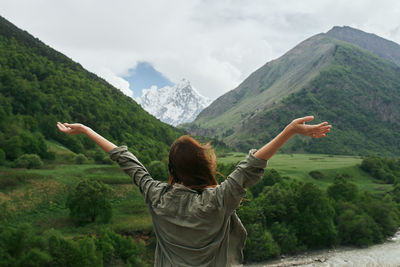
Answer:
(173, 105)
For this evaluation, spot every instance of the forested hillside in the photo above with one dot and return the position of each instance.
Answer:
(355, 90)
(40, 86)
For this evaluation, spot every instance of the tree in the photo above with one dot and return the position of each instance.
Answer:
(355, 227)
(260, 244)
(89, 201)
(2, 157)
(80, 159)
(285, 237)
(158, 170)
(29, 161)
(271, 177)
(12, 147)
(342, 190)
(315, 225)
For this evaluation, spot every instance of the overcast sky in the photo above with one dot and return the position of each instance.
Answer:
(213, 43)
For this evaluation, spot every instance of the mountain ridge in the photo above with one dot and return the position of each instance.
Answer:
(271, 86)
(241, 126)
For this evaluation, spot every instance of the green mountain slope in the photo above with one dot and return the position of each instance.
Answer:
(356, 91)
(39, 86)
(267, 85)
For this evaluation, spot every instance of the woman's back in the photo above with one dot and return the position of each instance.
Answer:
(192, 228)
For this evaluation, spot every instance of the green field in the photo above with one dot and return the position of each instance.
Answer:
(298, 166)
(39, 196)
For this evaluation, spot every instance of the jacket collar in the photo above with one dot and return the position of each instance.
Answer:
(181, 187)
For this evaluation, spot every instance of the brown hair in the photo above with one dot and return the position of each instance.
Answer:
(192, 164)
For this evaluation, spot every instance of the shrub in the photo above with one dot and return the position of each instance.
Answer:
(260, 245)
(271, 177)
(316, 174)
(80, 159)
(107, 160)
(5, 213)
(356, 227)
(66, 252)
(20, 246)
(158, 170)
(12, 147)
(115, 247)
(285, 237)
(29, 161)
(343, 190)
(89, 201)
(98, 155)
(2, 157)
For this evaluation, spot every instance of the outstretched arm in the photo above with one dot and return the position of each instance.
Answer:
(151, 189)
(297, 126)
(77, 128)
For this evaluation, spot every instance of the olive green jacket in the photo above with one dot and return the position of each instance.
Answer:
(195, 229)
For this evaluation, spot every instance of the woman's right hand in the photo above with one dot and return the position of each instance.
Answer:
(72, 129)
(299, 126)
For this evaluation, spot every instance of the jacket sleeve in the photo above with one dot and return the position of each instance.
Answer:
(247, 173)
(150, 188)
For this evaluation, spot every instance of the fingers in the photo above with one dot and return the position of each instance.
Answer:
(305, 119)
(323, 129)
(63, 128)
(319, 136)
(321, 132)
(322, 124)
(72, 125)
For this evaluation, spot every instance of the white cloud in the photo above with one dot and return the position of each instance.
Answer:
(116, 81)
(214, 44)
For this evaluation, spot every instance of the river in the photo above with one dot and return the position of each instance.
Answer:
(386, 254)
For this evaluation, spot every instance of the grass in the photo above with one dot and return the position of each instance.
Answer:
(38, 196)
(62, 153)
(298, 166)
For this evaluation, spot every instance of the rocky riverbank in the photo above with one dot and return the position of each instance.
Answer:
(386, 254)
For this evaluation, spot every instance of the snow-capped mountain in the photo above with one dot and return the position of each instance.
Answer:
(173, 105)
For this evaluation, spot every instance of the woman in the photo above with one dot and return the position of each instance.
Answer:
(194, 218)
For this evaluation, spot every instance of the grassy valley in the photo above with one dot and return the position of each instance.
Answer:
(39, 196)
(299, 166)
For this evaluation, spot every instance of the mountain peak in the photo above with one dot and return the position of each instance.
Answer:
(384, 48)
(174, 105)
(183, 83)
(343, 28)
